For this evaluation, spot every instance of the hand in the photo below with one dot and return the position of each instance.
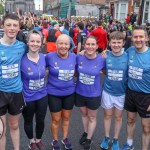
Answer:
(82, 52)
(148, 109)
(103, 53)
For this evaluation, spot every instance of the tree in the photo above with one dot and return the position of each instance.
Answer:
(1, 9)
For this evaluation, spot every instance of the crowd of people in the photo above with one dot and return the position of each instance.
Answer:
(76, 53)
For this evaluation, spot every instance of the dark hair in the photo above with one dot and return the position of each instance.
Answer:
(34, 32)
(91, 37)
(140, 28)
(10, 16)
(117, 35)
(80, 25)
(100, 23)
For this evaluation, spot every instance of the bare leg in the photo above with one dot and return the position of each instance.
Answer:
(91, 122)
(84, 118)
(118, 122)
(131, 118)
(146, 133)
(13, 122)
(65, 122)
(107, 120)
(3, 139)
(55, 124)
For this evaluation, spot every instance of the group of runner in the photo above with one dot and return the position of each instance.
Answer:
(23, 88)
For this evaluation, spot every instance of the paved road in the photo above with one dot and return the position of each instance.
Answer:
(76, 129)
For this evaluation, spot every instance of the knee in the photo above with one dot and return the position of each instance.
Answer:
(65, 118)
(13, 126)
(92, 118)
(107, 117)
(118, 118)
(146, 130)
(55, 121)
(130, 122)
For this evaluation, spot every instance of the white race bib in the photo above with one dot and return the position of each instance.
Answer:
(135, 72)
(86, 79)
(66, 75)
(115, 75)
(36, 84)
(10, 71)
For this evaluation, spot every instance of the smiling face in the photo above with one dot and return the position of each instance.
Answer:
(116, 45)
(63, 45)
(11, 28)
(91, 46)
(34, 42)
(139, 39)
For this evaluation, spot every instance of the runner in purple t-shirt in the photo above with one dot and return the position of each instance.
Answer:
(88, 89)
(33, 72)
(61, 88)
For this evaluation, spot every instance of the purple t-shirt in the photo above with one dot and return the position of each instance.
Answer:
(33, 78)
(61, 73)
(88, 83)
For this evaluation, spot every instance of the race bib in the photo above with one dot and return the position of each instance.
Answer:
(10, 71)
(115, 75)
(36, 84)
(66, 75)
(86, 79)
(135, 72)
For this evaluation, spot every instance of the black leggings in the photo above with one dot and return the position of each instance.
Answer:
(39, 108)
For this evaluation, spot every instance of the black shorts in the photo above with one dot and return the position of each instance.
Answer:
(137, 102)
(13, 102)
(57, 103)
(92, 103)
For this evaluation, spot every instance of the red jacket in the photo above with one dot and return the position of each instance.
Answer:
(101, 36)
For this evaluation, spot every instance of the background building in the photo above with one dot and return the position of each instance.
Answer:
(23, 5)
(67, 8)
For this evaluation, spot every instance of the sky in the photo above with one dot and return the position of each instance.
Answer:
(37, 3)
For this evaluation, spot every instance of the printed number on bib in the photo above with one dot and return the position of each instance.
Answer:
(36, 84)
(115, 75)
(86, 79)
(135, 72)
(66, 75)
(10, 71)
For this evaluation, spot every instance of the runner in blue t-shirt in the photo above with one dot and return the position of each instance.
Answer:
(113, 95)
(11, 98)
(88, 88)
(33, 72)
(138, 93)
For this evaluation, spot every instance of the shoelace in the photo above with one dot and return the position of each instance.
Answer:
(67, 142)
(56, 144)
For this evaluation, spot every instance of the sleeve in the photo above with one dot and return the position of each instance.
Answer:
(47, 60)
(79, 38)
(57, 34)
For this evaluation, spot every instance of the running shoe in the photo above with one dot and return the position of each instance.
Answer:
(87, 144)
(127, 147)
(66, 143)
(105, 143)
(55, 145)
(83, 138)
(40, 145)
(32, 146)
(115, 144)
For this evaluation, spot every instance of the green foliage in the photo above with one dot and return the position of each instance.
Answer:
(1, 9)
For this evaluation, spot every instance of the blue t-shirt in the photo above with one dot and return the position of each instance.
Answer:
(139, 70)
(116, 74)
(33, 78)
(10, 59)
(61, 74)
(88, 82)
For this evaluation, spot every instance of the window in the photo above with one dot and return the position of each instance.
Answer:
(137, 4)
(146, 11)
(122, 11)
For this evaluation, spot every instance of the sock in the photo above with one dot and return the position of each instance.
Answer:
(130, 142)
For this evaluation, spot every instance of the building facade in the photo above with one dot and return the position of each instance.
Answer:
(23, 5)
(67, 8)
